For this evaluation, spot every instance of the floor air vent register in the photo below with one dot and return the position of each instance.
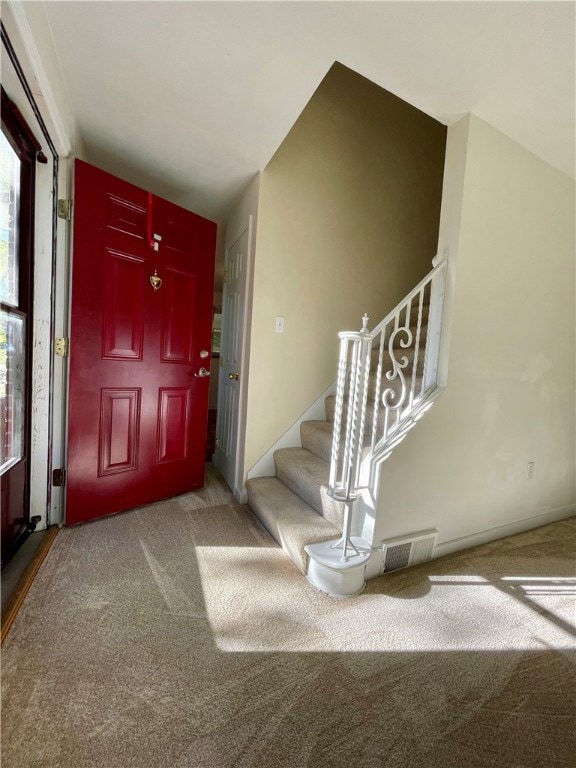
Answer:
(407, 550)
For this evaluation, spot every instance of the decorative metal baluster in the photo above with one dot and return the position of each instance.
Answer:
(374, 440)
(437, 282)
(426, 342)
(386, 411)
(416, 349)
(387, 392)
(338, 408)
(345, 542)
(346, 490)
(364, 354)
(350, 417)
(348, 476)
(391, 399)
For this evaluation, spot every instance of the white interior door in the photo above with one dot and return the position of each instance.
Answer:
(233, 308)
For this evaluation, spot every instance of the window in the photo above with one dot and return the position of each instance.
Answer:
(19, 152)
(12, 323)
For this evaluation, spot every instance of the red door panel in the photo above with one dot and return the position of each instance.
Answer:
(118, 440)
(127, 216)
(173, 424)
(138, 413)
(178, 304)
(123, 310)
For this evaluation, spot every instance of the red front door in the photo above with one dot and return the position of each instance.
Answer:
(142, 288)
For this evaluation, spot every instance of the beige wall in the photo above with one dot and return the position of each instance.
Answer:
(511, 393)
(348, 223)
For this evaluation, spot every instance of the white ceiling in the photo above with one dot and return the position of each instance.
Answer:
(190, 99)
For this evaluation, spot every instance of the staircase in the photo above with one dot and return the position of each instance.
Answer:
(294, 506)
(387, 378)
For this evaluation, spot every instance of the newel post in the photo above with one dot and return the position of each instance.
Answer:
(352, 392)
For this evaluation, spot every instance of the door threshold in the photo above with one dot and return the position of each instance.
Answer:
(19, 573)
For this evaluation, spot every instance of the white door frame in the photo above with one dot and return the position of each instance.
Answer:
(233, 301)
(244, 217)
(35, 98)
(237, 453)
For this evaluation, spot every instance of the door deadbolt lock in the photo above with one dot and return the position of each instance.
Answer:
(204, 354)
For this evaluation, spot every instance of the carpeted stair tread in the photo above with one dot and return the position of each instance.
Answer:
(316, 437)
(330, 408)
(289, 520)
(307, 476)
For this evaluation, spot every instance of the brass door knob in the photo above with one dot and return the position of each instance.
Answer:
(234, 376)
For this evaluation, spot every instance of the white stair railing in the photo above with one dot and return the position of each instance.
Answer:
(386, 377)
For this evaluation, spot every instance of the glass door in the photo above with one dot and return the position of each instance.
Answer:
(17, 166)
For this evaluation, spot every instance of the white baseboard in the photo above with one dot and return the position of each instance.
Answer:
(264, 467)
(501, 531)
(241, 495)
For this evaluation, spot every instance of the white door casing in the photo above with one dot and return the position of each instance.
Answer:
(231, 354)
(25, 79)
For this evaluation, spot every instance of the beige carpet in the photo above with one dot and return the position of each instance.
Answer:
(180, 636)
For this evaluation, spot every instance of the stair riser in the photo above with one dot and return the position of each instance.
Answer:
(318, 442)
(321, 444)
